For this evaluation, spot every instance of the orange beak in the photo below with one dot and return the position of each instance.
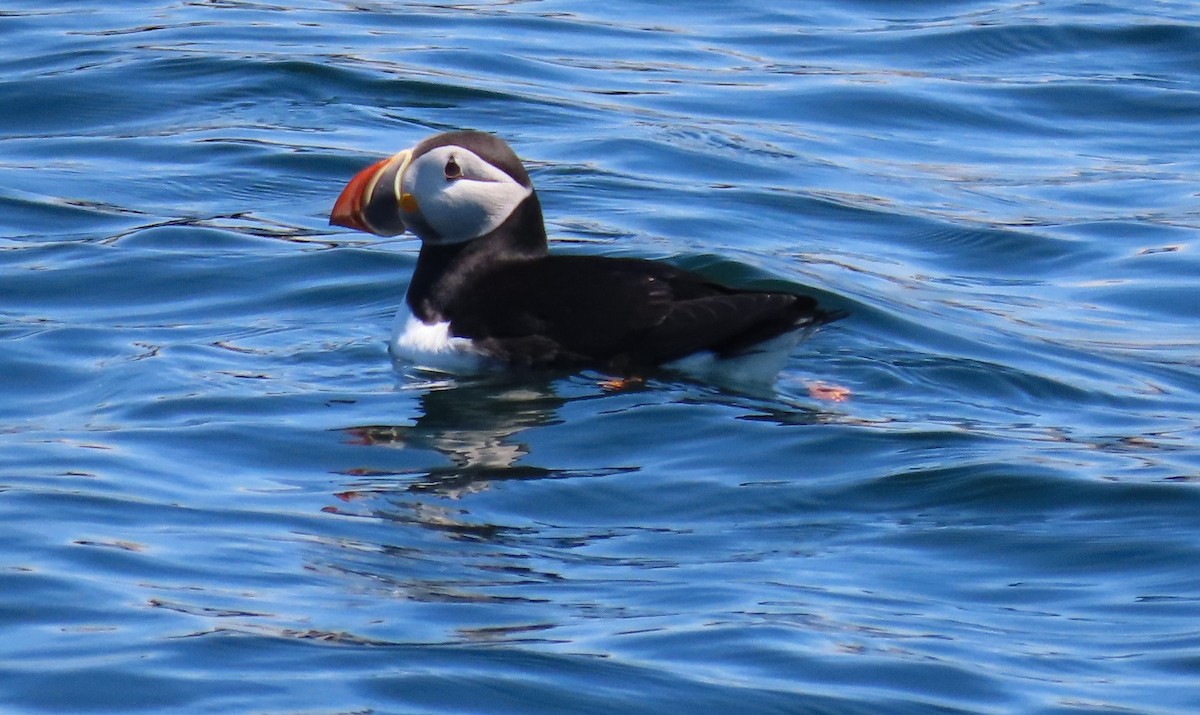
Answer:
(372, 201)
(348, 209)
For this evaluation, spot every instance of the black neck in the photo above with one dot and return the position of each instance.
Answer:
(443, 269)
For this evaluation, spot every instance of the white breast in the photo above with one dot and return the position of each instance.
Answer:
(430, 346)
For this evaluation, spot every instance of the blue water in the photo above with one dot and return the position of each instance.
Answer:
(217, 495)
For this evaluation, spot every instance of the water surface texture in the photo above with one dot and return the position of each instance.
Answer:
(218, 495)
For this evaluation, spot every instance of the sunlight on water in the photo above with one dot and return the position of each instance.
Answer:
(218, 495)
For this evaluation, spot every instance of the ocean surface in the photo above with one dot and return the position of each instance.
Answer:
(980, 493)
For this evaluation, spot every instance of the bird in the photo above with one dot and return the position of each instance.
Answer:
(486, 291)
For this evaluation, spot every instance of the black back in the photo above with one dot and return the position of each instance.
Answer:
(618, 313)
(522, 305)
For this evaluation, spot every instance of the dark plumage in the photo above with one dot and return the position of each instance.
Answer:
(517, 303)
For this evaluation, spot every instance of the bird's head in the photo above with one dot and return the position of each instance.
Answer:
(448, 189)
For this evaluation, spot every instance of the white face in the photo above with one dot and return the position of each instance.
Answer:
(458, 194)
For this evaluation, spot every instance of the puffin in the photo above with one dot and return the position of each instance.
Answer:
(487, 292)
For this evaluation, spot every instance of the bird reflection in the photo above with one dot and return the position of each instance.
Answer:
(475, 425)
(479, 551)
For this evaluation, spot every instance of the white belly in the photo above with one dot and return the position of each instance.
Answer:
(432, 347)
(758, 366)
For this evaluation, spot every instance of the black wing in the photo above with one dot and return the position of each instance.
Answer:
(618, 312)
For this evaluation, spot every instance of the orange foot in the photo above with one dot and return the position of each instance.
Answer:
(616, 384)
(827, 392)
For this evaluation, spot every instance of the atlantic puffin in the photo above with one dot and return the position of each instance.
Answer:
(486, 291)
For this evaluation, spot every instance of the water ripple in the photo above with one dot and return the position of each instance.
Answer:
(218, 495)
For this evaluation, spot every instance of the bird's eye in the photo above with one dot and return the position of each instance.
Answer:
(453, 170)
